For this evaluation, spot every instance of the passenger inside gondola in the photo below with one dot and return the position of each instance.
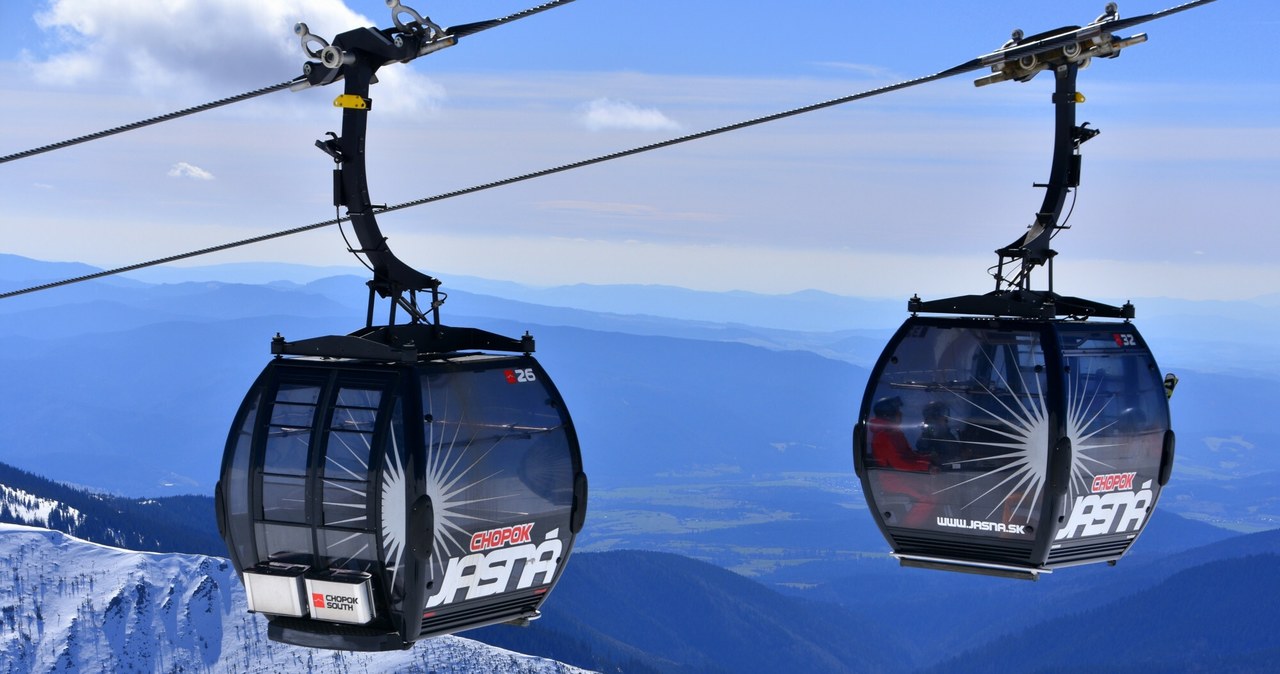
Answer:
(938, 441)
(891, 449)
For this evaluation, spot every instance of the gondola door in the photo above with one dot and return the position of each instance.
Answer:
(1118, 429)
(504, 475)
(309, 454)
(953, 440)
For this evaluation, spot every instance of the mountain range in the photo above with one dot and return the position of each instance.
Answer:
(88, 607)
(173, 523)
(74, 606)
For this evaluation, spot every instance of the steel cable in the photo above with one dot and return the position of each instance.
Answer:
(147, 122)
(968, 66)
(500, 183)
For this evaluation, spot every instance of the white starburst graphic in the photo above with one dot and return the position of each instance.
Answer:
(471, 474)
(393, 509)
(1084, 408)
(1022, 421)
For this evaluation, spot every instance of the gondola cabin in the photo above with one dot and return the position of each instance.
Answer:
(1013, 446)
(370, 504)
(1020, 431)
(401, 481)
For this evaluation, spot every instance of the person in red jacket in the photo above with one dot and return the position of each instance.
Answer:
(891, 449)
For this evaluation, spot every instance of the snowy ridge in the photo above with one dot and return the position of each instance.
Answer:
(67, 605)
(27, 508)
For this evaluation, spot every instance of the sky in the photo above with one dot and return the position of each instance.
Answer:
(909, 192)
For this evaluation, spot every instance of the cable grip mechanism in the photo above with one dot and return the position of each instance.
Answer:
(308, 39)
(418, 23)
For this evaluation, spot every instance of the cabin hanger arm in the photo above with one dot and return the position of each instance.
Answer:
(354, 58)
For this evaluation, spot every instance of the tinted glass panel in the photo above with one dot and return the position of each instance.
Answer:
(346, 485)
(298, 393)
(351, 434)
(348, 455)
(284, 498)
(957, 433)
(290, 415)
(358, 397)
(283, 543)
(289, 430)
(238, 476)
(347, 494)
(346, 504)
(286, 451)
(344, 549)
(236, 486)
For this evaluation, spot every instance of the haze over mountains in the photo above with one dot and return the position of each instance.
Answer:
(715, 426)
(128, 386)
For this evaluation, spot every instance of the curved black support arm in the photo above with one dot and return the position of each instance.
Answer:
(363, 52)
(1032, 249)
(1063, 52)
(355, 57)
(1013, 295)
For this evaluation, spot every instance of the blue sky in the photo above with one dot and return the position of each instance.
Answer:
(907, 192)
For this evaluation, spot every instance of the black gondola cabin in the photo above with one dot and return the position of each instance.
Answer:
(398, 482)
(1018, 434)
(368, 505)
(1010, 446)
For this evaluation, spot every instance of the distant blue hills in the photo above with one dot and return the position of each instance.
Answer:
(128, 385)
(1219, 615)
(1205, 607)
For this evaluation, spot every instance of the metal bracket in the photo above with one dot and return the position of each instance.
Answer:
(353, 102)
(331, 147)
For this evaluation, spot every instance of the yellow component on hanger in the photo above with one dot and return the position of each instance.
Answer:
(353, 102)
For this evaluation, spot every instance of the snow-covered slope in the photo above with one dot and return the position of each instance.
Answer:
(27, 508)
(67, 605)
(166, 524)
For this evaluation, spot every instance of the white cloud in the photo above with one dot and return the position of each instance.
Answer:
(159, 44)
(604, 113)
(189, 50)
(184, 170)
